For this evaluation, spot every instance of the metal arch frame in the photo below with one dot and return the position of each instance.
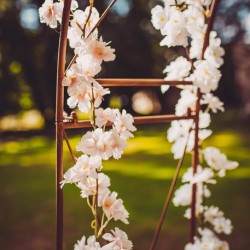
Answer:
(62, 125)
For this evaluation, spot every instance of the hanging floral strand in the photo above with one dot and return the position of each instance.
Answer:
(100, 144)
(184, 23)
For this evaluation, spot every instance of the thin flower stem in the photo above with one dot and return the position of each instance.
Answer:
(96, 210)
(69, 146)
(93, 106)
(189, 58)
(94, 28)
(91, 3)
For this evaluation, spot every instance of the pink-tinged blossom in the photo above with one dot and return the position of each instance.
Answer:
(218, 161)
(88, 187)
(114, 208)
(91, 244)
(98, 92)
(80, 99)
(80, 17)
(103, 116)
(72, 80)
(59, 8)
(100, 51)
(213, 102)
(49, 14)
(87, 67)
(96, 142)
(119, 240)
(206, 76)
(85, 167)
(124, 124)
(118, 144)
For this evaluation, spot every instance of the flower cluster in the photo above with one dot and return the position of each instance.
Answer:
(100, 144)
(184, 23)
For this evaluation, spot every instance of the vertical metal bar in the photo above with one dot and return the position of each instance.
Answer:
(169, 196)
(195, 162)
(59, 122)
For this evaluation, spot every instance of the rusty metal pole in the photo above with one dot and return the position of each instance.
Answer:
(195, 158)
(59, 122)
(195, 162)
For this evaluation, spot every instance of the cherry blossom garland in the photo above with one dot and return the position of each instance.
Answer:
(184, 23)
(86, 94)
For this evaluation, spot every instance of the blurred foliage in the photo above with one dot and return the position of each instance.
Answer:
(28, 53)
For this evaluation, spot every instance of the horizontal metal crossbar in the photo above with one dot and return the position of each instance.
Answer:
(137, 120)
(136, 82)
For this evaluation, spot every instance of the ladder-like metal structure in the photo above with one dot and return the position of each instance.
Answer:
(62, 124)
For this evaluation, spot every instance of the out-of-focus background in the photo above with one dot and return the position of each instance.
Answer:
(28, 53)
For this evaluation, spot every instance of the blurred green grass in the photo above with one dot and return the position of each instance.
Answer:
(141, 178)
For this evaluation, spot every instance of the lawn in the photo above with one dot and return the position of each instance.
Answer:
(142, 178)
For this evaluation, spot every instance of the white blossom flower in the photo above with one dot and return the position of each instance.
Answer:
(206, 76)
(178, 69)
(218, 161)
(98, 92)
(214, 52)
(212, 102)
(80, 98)
(85, 167)
(88, 186)
(72, 80)
(113, 207)
(101, 51)
(59, 8)
(208, 241)
(222, 225)
(202, 175)
(80, 18)
(91, 244)
(49, 14)
(216, 218)
(96, 142)
(118, 144)
(183, 195)
(86, 66)
(119, 240)
(103, 116)
(124, 124)
(187, 101)
(175, 30)
(195, 19)
(212, 213)
(197, 36)
(159, 17)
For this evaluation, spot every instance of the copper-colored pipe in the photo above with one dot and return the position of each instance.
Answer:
(139, 82)
(59, 123)
(169, 196)
(69, 146)
(195, 162)
(137, 120)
